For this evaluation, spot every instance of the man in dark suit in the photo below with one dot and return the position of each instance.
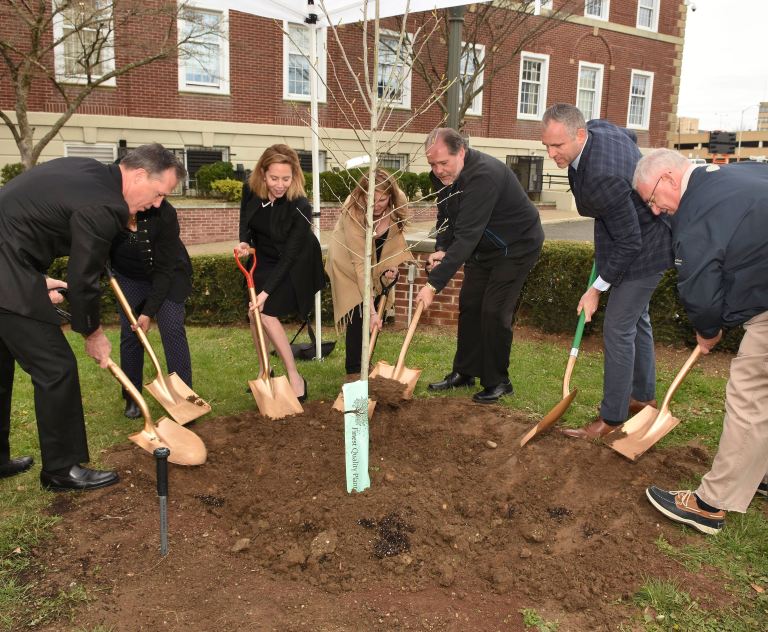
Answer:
(632, 250)
(487, 223)
(75, 207)
(720, 229)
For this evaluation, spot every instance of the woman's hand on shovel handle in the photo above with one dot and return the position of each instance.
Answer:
(707, 344)
(261, 298)
(144, 322)
(97, 346)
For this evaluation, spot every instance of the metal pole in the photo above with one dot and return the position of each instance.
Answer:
(161, 457)
(455, 27)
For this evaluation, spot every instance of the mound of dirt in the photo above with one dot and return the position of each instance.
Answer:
(460, 529)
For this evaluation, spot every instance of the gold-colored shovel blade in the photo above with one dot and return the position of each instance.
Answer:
(339, 405)
(275, 397)
(641, 432)
(179, 401)
(408, 377)
(185, 446)
(550, 419)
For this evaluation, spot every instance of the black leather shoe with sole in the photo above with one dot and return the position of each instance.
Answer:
(452, 380)
(132, 410)
(15, 466)
(492, 394)
(77, 478)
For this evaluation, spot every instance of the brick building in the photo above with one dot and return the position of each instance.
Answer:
(620, 59)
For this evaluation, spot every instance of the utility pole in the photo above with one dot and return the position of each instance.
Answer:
(455, 29)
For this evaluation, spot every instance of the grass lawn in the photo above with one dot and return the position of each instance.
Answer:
(224, 358)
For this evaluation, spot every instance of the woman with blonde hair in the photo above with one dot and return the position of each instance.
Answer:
(276, 220)
(346, 253)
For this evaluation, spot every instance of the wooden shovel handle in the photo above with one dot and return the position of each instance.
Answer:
(679, 378)
(149, 426)
(408, 336)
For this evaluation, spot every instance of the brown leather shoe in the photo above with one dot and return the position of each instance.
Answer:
(596, 430)
(635, 405)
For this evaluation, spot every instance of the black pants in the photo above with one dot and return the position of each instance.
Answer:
(42, 351)
(170, 323)
(354, 338)
(487, 304)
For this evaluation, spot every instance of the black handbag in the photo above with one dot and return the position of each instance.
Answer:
(308, 350)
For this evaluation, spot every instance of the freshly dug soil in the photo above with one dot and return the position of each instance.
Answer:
(460, 529)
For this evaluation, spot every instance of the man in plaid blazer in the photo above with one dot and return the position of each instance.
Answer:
(633, 248)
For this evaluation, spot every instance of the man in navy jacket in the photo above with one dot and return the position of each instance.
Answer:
(720, 234)
(632, 250)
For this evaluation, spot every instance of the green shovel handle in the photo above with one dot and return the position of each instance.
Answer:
(582, 317)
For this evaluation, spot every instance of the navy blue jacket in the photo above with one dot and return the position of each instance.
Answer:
(630, 241)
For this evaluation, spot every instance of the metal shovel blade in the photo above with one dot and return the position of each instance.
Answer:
(407, 377)
(186, 448)
(181, 402)
(550, 418)
(641, 432)
(275, 397)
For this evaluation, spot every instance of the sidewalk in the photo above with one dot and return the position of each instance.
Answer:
(417, 232)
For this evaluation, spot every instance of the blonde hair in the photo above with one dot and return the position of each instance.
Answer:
(357, 201)
(278, 154)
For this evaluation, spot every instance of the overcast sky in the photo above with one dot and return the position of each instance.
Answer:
(725, 63)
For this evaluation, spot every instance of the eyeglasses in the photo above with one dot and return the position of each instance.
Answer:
(652, 198)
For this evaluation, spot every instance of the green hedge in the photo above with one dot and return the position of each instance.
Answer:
(548, 301)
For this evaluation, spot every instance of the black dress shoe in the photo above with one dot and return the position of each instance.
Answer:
(452, 380)
(491, 394)
(132, 410)
(77, 477)
(15, 466)
(303, 398)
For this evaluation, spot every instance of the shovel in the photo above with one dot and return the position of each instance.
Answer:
(648, 426)
(339, 403)
(400, 372)
(185, 446)
(568, 395)
(170, 391)
(274, 396)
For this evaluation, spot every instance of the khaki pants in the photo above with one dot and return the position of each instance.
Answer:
(741, 461)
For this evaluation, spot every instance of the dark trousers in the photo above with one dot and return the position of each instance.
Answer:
(42, 351)
(354, 338)
(487, 305)
(170, 323)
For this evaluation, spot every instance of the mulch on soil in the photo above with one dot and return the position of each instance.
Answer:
(460, 529)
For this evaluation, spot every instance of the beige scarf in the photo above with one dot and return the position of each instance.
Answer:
(346, 270)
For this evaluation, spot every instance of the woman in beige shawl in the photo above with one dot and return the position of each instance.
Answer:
(346, 252)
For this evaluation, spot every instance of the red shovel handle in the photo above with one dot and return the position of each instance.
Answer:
(248, 273)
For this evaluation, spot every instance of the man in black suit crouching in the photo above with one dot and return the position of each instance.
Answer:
(74, 207)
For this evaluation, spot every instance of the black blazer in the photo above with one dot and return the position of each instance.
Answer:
(301, 259)
(165, 260)
(67, 206)
(630, 241)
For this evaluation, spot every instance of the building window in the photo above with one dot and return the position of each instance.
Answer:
(83, 34)
(590, 89)
(197, 157)
(305, 160)
(394, 70)
(102, 152)
(597, 9)
(534, 71)
(470, 79)
(203, 49)
(648, 14)
(297, 68)
(393, 162)
(640, 93)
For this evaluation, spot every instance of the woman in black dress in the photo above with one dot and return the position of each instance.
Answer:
(276, 220)
(153, 269)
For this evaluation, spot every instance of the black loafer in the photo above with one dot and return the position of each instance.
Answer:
(492, 394)
(132, 410)
(452, 380)
(15, 466)
(78, 478)
(303, 398)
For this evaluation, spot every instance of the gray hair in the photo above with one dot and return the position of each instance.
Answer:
(657, 161)
(569, 115)
(452, 139)
(154, 159)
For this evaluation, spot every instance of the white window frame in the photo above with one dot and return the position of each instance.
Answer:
(59, 52)
(404, 103)
(598, 104)
(288, 44)
(542, 104)
(605, 10)
(222, 86)
(648, 100)
(476, 107)
(81, 150)
(654, 26)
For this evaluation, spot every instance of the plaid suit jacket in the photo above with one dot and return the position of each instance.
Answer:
(630, 241)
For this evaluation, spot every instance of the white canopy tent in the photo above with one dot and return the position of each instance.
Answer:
(321, 14)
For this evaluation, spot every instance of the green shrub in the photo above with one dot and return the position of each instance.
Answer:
(206, 175)
(230, 190)
(335, 186)
(425, 184)
(308, 185)
(409, 183)
(10, 171)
